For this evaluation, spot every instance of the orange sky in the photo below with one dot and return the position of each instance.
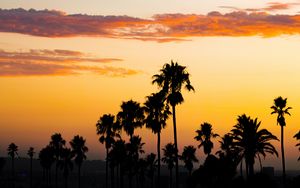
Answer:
(64, 81)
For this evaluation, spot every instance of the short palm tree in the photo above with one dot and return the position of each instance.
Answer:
(31, 153)
(46, 157)
(107, 129)
(134, 149)
(12, 151)
(170, 158)
(151, 164)
(157, 113)
(118, 154)
(57, 143)
(79, 149)
(204, 136)
(131, 116)
(251, 141)
(281, 110)
(188, 156)
(66, 164)
(171, 79)
(297, 136)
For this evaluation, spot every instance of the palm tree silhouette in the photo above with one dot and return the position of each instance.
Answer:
(58, 143)
(151, 164)
(297, 136)
(79, 149)
(12, 152)
(131, 116)
(157, 113)
(134, 149)
(251, 141)
(171, 79)
(204, 136)
(170, 158)
(106, 128)
(118, 154)
(66, 163)
(188, 156)
(281, 110)
(31, 153)
(46, 157)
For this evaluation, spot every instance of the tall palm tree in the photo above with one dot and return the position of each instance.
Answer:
(31, 153)
(46, 157)
(131, 116)
(188, 156)
(66, 163)
(134, 149)
(204, 136)
(171, 79)
(57, 143)
(107, 129)
(281, 110)
(157, 113)
(251, 141)
(297, 136)
(79, 149)
(170, 158)
(12, 152)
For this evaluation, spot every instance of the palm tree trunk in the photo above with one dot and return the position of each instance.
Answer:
(171, 178)
(56, 173)
(121, 177)
(282, 155)
(106, 169)
(247, 168)
(30, 172)
(176, 147)
(241, 168)
(112, 176)
(79, 168)
(158, 160)
(118, 177)
(260, 164)
(13, 172)
(66, 182)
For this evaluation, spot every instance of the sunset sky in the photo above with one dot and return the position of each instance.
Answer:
(63, 64)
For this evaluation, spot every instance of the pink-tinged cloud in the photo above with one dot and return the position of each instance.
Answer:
(272, 6)
(57, 62)
(161, 28)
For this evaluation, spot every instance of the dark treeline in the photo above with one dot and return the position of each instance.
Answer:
(128, 166)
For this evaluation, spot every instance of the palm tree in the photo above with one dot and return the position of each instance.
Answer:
(204, 136)
(58, 143)
(188, 157)
(151, 163)
(131, 116)
(297, 136)
(66, 163)
(106, 128)
(79, 149)
(118, 154)
(281, 110)
(170, 158)
(134, 149)
(251, 141)
(12, 152)
(46, 157)
(157, 113)
(171, 79)
(31, 153)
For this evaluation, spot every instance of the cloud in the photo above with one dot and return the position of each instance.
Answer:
(57, 62)
(271, 6)
(160, 28)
